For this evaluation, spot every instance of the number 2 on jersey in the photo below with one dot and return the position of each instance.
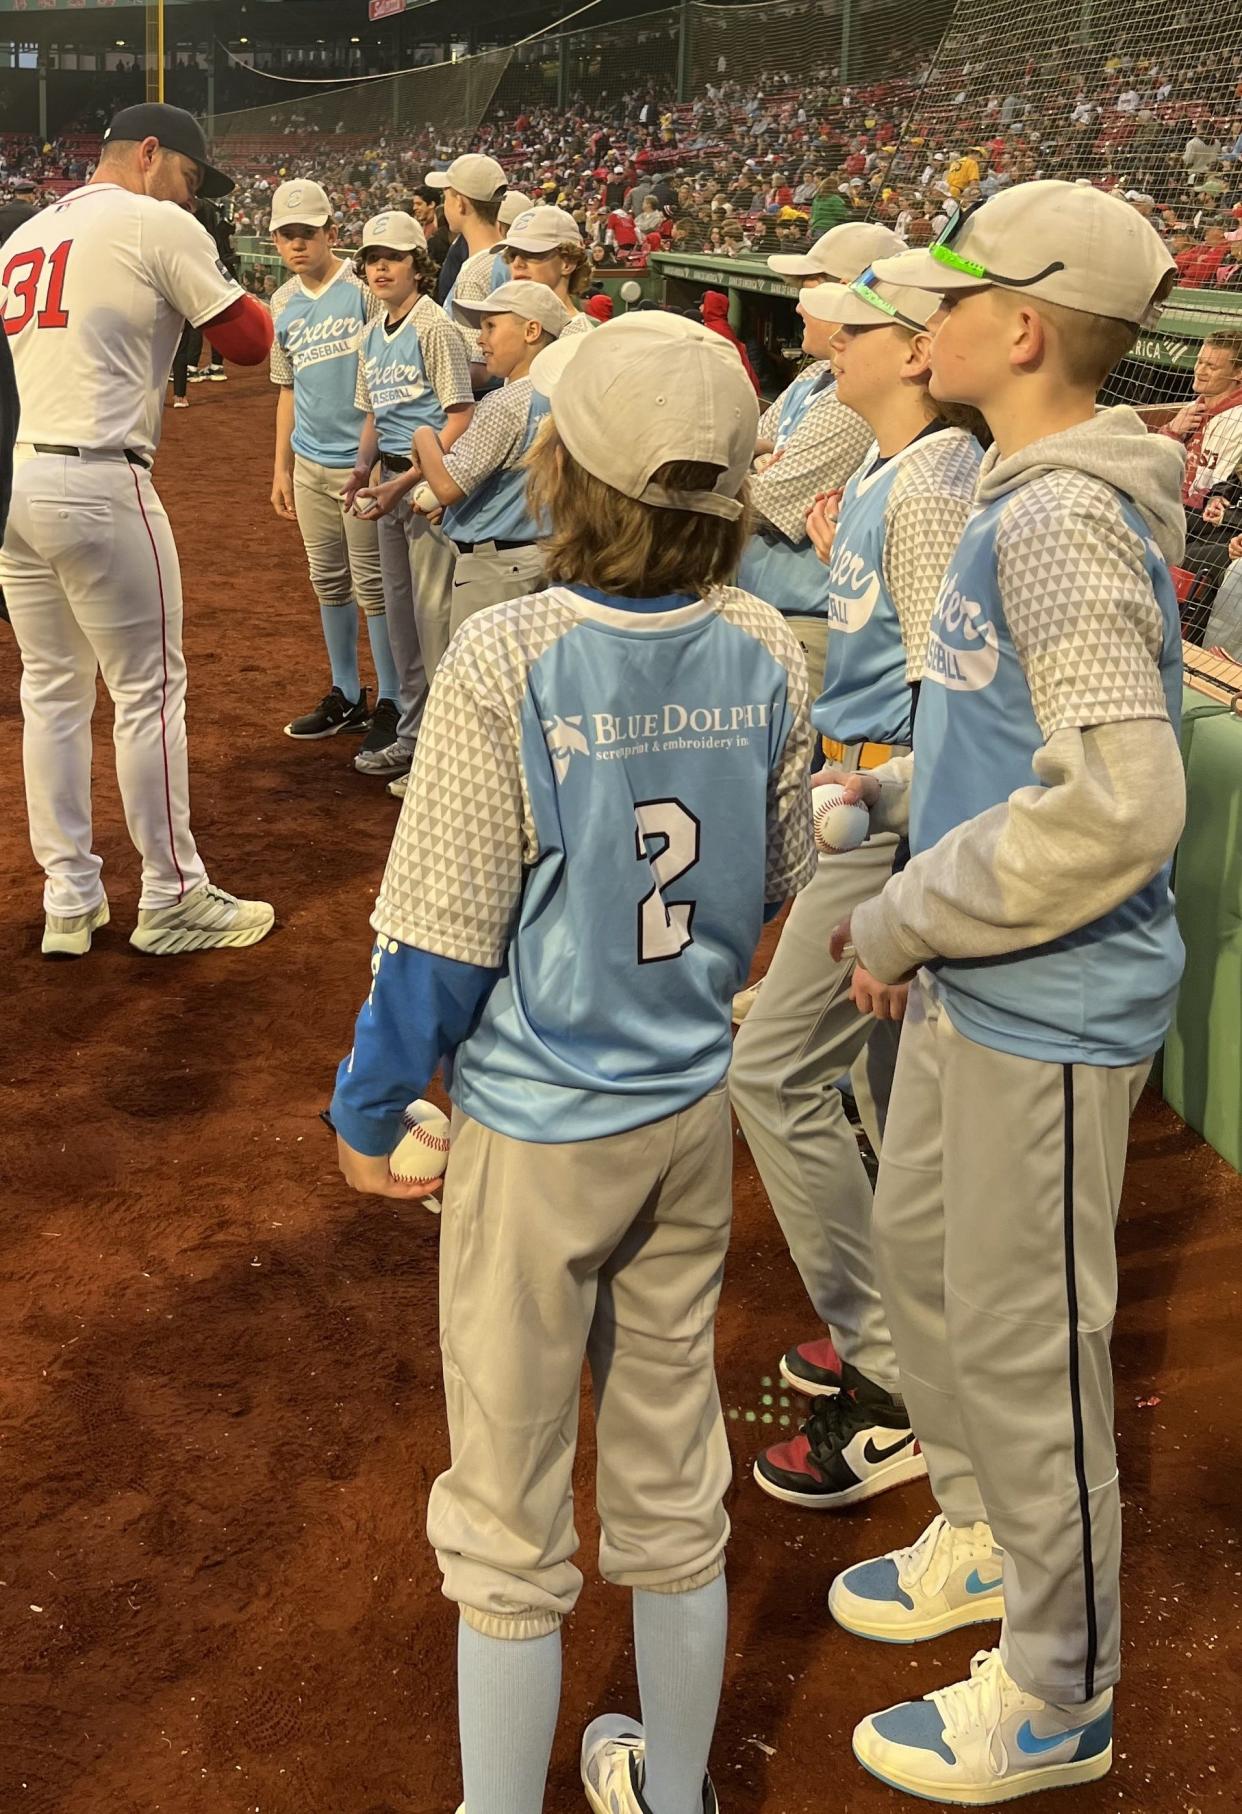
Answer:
(664, 931)
(21, 280)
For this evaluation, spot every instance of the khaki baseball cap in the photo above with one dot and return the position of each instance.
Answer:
(870, 303)
(530, 301)
(543, 229)
(301, 204)
(515, 203)
(842, 252)
(647, 389)
(1053, 241)
(399, 232)
(481, 178)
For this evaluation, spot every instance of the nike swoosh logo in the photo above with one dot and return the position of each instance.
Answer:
(1032, 1745)
(874, 1456)
(975, 1586)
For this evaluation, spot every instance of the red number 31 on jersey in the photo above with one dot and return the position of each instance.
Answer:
(22, 278)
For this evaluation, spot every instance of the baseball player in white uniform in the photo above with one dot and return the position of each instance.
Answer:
(94, 292)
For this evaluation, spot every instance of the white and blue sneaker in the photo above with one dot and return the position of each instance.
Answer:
(948, 1579)
(612, 1768)
(985, 1741)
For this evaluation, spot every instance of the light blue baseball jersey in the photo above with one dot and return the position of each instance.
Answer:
(899, 522)
(408, 376)
(315, 351)
(1105, 993)
(606, 795)
(487, 463)
(779, 563)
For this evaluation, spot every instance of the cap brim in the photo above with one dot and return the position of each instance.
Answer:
(437, 179)
(920, 271)
(214, 185)
(536, 248)
(549, 367)
(837, 302)
(796, 267)
(300, 220)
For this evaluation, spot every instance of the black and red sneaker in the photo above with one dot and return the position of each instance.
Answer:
(852, 1447)
(813, 1368)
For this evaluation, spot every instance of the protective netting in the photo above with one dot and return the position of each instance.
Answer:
(1144, 100)
(769, 123)
(411, 112)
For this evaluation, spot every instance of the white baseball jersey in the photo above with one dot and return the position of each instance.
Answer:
(95, 291)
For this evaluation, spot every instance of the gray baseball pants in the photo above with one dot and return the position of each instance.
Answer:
(416, 560)
(802, 1034)
(613, 1250)
(994, 1223)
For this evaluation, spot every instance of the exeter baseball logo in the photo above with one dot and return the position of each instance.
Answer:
(855, 590)
(962, 649)
(565, 740)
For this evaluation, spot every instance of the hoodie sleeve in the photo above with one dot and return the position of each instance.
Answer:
(1110, 801)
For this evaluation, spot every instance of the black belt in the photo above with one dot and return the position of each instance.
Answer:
(395, 462)
(500, 547)
(75, 453)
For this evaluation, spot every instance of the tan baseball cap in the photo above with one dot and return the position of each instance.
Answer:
(647, 389)
(543, 229)
(399, 232)
(870, 303)
(1053, 241)
(301, 204)
(515, 203)
(842, 252)
(530, 301)
(481, 178)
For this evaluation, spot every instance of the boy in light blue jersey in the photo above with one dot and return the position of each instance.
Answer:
(881, 567)
(610, 796)
(809, 442)
(320, 317)
(413, 370)
(1044, 800)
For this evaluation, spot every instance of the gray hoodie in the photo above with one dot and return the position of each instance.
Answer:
(1109, 805)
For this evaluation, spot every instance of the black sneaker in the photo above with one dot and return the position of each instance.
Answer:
(333, 713)
(382, 752)
(849, 1449)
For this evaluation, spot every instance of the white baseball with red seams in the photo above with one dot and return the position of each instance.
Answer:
(422, 1152)
(839, 824)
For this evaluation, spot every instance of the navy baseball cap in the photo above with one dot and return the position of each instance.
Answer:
(176, 130)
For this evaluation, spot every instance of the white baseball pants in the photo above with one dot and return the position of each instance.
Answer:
(90, 573)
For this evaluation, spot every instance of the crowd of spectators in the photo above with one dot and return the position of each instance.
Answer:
(747, 169)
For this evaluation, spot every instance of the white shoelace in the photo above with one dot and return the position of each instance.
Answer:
(975, 1708)
(929, 1562)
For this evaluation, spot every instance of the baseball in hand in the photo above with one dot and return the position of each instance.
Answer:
(839, 824)
(421, 1154)
(425, 500)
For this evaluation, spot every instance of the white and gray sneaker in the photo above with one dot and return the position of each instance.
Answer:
(985, 1740)
(612, 1768)
(398, 787)
(948, 1579)
(207, 919)
(69, 934)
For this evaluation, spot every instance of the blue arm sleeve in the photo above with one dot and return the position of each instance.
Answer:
(419, 1010)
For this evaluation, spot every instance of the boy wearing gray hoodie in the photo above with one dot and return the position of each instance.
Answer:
(1043, 803)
